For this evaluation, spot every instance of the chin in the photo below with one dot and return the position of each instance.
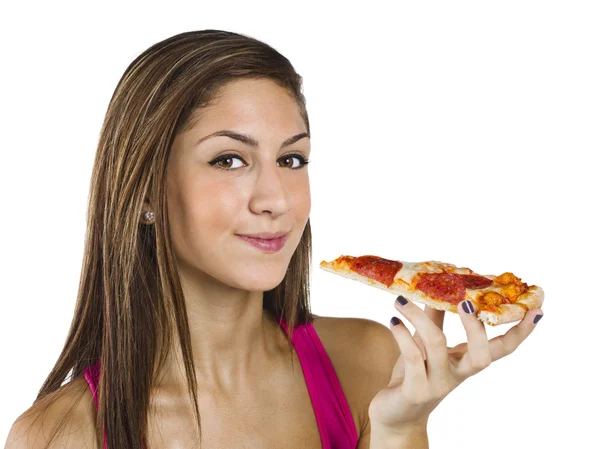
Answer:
(261, 282)
(261, 286)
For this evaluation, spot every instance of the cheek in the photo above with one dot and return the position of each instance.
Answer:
(196, 209)
(301, 198)
(201, 217)
(212, 206)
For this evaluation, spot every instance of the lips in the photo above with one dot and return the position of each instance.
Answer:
(268, 245)
(266, 235)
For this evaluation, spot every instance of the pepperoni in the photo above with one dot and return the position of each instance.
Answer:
(376, 268)
(445, 287)
(475, 281)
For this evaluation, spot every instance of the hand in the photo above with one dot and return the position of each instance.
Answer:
(427, 370)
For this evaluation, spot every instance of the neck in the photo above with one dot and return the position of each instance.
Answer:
(232, 348)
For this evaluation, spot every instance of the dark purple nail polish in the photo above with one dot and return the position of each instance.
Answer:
(395, 321)
(537, 318)
(401, 300)
(468, 307)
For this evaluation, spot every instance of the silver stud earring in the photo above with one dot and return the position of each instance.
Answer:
(149, 216)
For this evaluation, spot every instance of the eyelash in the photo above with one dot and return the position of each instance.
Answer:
(303, 160)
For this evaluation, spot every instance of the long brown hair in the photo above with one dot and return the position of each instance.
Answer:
(130, 299)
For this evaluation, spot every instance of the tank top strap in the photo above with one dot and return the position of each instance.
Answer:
(332, 411)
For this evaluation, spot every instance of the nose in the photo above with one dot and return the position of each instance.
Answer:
(270, 192)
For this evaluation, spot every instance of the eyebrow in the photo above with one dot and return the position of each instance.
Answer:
(244, 138)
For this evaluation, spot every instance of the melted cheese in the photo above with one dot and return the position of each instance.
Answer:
(410, 269)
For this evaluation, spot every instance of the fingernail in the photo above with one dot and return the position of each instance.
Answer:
(537, 318)
(401, 300)
(395, 321)
(468, 307)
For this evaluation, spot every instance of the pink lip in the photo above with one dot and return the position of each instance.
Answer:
(269, 245)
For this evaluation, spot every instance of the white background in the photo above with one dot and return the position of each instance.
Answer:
(463, 131)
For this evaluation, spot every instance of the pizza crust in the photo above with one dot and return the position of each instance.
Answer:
(507, 313)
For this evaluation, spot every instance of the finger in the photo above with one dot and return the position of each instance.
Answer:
(478, 355)
(437, 316)
(458, 350)
(506, 344)
(410, 354)
(434, 340)
(421, 345)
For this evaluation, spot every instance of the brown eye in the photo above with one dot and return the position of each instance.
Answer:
(225, 162)
(290, 160)
(291, 157)
(224, 165)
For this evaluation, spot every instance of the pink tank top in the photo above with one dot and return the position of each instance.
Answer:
(331, 408)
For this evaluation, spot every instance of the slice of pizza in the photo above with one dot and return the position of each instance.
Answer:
(499, 299)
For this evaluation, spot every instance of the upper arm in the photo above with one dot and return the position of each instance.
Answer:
(379, 352)
(62, 419)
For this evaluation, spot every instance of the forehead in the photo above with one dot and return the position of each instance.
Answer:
(252, 101)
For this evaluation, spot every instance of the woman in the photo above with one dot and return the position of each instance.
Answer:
(182, 313)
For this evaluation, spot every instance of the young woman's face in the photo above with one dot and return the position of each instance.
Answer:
(254, 189)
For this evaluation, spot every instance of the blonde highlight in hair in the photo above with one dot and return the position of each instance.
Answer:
(130, 300)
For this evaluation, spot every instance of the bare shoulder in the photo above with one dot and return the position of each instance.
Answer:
(363, 353)
(358, 341)
(68, 413)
